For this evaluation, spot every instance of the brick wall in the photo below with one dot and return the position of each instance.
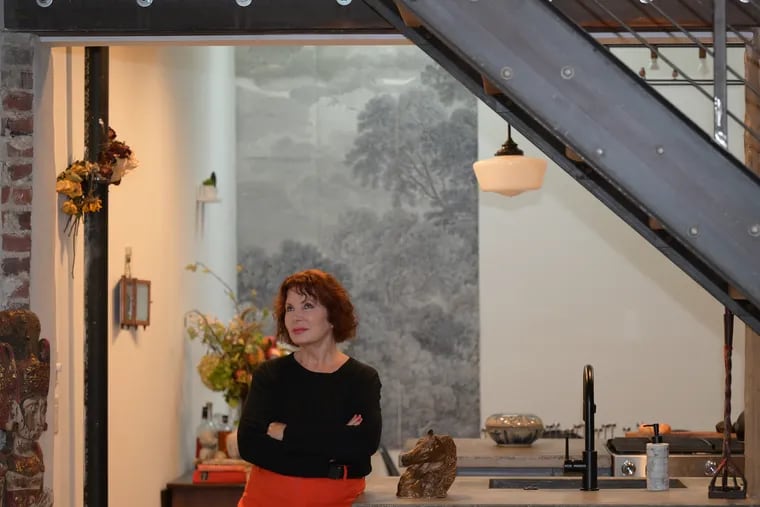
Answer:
(16, 156)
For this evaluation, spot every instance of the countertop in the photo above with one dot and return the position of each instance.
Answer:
(547, 453)
(474, 492)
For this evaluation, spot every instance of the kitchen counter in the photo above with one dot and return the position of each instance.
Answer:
(474, 492)
(481, 456)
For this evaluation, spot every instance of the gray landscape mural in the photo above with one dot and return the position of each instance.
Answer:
(358, 160)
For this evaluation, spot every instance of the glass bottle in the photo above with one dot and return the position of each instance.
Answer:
(206, 443)
(224, 430)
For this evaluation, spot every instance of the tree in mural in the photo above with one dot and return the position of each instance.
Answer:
(262, 274)
(410, 264)
(416, 266)
(418, 314)
(449, 91)
(411, 146)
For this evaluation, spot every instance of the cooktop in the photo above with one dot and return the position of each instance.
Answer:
(678, 445)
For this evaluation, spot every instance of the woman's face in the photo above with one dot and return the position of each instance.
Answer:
(306, 319)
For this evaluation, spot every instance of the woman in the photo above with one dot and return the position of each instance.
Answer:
(311, 420)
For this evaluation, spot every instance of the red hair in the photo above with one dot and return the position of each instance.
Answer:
(328, 291)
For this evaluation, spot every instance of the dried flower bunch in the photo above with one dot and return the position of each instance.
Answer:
(234, 350)
(76, 181)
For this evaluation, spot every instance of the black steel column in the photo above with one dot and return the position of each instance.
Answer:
(96, 288)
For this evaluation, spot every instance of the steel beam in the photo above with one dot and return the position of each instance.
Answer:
(637, 174)
(190, 17)
(96, 288)
(118, 18)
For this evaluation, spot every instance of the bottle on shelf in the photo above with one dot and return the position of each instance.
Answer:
(206, 439)
(224, 429)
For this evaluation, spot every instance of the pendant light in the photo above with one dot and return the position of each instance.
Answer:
(509, 172)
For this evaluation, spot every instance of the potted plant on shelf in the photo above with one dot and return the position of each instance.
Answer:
(234, 349)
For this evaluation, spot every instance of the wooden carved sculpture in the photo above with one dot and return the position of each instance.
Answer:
(8, 393)
(26, 359)
(431, 468)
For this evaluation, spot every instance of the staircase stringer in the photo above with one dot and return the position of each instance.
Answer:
(551, 143)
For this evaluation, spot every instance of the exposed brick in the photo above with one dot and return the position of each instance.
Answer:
(15, 78)
(17, 243)
(24, 220)
(17, 221)
(18, 39)
(20, 151)
(15, 266)
(19, 126)
(18, 101)
(13, 304)
(27, 80)
(16, 85)
(22, 196)
(19, 171)
(17, 56)
(22, 291)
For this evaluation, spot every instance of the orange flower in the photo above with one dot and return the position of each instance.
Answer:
(70, 208)
(92, 205)
(256, 356)
(68, 188)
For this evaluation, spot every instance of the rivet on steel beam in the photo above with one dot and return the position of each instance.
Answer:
(693, 230)
(660, 150)
(144, 3)
(44, 3)
(754, 230)
(506, 72)
(567, 72)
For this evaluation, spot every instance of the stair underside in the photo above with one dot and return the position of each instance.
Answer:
(643, 159)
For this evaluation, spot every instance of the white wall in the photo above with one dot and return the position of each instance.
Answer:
(174, 107)
(564, 282)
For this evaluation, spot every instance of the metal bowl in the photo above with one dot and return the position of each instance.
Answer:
(514, 429)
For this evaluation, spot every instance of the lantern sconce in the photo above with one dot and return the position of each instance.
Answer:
(134, 298)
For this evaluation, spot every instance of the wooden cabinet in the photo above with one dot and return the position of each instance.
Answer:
(181, 492)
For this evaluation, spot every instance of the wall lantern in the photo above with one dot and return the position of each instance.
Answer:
(134, 302)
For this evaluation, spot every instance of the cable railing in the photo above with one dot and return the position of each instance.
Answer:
(659, 25)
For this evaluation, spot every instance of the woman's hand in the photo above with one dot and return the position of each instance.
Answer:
(356, 420)
(276, 430)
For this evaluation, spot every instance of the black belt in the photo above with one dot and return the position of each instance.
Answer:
(336, 471)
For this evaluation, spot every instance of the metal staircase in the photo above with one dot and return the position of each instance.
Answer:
(633, 150)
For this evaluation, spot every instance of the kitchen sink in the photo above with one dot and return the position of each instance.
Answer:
(572, 483)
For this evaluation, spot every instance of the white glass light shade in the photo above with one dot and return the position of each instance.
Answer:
(510, 174)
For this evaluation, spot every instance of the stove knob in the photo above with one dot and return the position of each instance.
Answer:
(628, 468)
(710, 468)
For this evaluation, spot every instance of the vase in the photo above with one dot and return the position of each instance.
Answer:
(231, 439)
(232, 445)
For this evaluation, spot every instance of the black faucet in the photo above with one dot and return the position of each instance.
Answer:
(587, 465)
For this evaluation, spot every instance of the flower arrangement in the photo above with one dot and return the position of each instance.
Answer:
(76, 182)
(234, 350)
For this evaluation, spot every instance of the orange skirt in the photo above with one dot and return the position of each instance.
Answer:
(270, 489)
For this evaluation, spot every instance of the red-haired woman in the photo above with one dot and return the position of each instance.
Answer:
(311, 420)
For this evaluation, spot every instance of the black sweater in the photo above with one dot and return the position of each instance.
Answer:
(315, 407)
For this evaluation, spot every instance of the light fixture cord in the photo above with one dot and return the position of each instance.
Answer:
(509, 147)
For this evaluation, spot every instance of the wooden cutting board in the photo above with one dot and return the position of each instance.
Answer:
(685, 434)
